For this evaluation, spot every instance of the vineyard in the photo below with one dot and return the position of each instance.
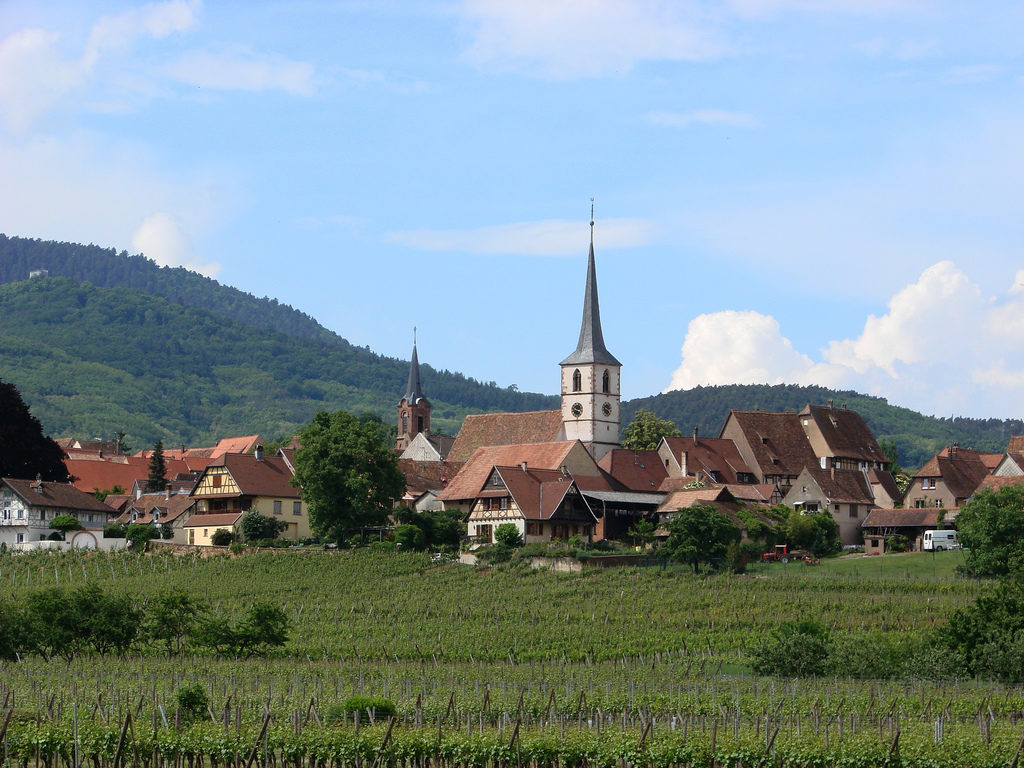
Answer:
(506, 667)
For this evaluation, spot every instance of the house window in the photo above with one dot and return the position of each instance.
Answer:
(938, 503)
(577, 381)
(277, 506)
(533, 529)
(927, 483)
(206, 532)
(824, 462)
(217, 480)
(853, 510)
(296, 507)
(503, 504)
(19, 538)
(191, 536)
(604, 381)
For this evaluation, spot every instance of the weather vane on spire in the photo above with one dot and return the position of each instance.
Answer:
(591, 213)
(414, 335)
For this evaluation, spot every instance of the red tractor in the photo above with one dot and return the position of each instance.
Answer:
(781, 554)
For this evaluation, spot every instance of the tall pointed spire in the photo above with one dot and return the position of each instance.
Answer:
(413, 391)
(591, 348)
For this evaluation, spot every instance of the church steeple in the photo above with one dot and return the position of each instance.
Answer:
(591, 376)
(413, 392)
(591, 348)
(413, 408)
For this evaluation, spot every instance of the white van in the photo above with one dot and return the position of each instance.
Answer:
(936, 541)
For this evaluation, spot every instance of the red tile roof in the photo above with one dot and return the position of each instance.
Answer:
(1016, 444)
(844, 485)
(468, 482)
(539, 492)
(961, 469)
(884, 478)
(905, 518)
(845, 432)
(170, 508)
(635, 470)
(423, 476)
(716, 457)
(220, 520)
(685, 499)
(268, 476)
(776, 440)
(994, 483)
(58, 496)
(505, 429)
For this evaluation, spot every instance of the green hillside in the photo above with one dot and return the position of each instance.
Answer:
(91, 360)
(917, 437)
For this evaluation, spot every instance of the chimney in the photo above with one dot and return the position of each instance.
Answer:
(37, 486)
(829, 401)
(259, 453)
(99, 454)
(953, 448)
(694, 435)
(832, 471)
(523, 465)
(167, 491)
(683, 463)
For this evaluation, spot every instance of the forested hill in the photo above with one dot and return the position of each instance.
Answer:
(917, 437)
(382, 378)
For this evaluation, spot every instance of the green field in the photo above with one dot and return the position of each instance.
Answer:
(588, 663)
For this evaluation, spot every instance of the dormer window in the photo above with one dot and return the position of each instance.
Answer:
(577, 380)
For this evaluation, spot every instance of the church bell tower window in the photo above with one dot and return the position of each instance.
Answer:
(577, 381)
(604, 381)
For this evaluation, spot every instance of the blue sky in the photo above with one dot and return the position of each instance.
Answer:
(800, 191)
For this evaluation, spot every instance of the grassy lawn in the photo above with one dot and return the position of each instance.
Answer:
(909, 565)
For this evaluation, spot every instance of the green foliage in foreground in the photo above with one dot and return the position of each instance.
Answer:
(586, 747)
(991, 529)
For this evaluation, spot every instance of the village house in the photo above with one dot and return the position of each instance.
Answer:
(704, 459)
(950, 477)
(167, 511)
(772, 444)
(845, 494)
(840, 438)
(243, 482)
(27, 507)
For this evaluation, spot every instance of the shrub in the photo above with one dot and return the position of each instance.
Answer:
(222, 537)
(410, 537)
(796, 649)
(496, 553)
(508, 534)
(898, 543)
(114, 531)
(192, 702)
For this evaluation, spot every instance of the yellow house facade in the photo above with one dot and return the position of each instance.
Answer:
(245, 482)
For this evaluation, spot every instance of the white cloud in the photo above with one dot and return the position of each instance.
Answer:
(941, 348)
(245, 71)
(758, 8)
(36, 75)
(702, 117)
(737, 348)
(159, 238)
(534, 238)
(581, 38)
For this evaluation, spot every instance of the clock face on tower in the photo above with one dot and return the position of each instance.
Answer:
(606, 409)
(577, 410)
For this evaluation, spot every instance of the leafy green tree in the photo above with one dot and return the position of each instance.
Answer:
(642, 531)
(441, 527)
(795, 649)
(54, 622)
(645, 431)
(15, 633)
(193, 702)
(25, 452)
(700, 534)
(257, 527)
(410, 537)
(172, 617)
(109, 623)
(348, 474)
(991, 528)
(157, 479)
(507, 534)
(101, 495)
(263, 627)
(816, 531)
(65, 523)
(987, 638)
(139, 536)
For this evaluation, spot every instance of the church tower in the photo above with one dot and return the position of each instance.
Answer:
(590, 377)
(413, 408)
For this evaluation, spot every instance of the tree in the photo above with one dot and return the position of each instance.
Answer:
(257, 527)
(987, 638)
(139, 535)
(507, 534)
(172, 617)
(816, 531)
(25, 452)
(410, 537)
(222, 537)
(348, 473)
(645, 431)
(700, 534)
(796, 649)
(642, 531)
(157, 479)
(65, 523)
(991, 528)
